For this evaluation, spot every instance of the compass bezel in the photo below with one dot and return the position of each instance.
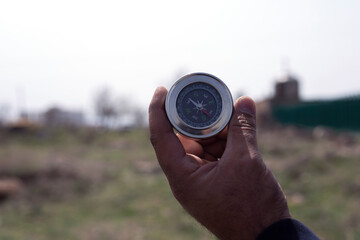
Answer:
(195, 132)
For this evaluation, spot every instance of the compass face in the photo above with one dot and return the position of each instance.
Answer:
(199, 105)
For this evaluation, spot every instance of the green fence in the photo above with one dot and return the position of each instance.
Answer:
(340, 113)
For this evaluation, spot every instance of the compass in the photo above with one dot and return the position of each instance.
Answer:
(199, 105)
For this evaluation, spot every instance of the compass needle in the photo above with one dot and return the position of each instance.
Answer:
(204, 111)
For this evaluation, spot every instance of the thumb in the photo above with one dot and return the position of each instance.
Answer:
(241, 140)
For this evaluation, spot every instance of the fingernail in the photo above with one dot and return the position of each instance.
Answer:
(246, 105)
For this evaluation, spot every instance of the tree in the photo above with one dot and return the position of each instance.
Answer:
(118, 112)
(105, 107)
(130, 114)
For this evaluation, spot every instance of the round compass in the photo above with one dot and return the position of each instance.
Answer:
(199, 105)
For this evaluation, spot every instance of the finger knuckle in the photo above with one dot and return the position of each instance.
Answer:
(255, 163)
(246, 122)
(154, 139)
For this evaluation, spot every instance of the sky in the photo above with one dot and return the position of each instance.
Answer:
(62, 52)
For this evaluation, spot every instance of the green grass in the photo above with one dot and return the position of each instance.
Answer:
(128, 202)
(110, 187)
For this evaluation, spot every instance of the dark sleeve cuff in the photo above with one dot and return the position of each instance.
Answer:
(287, 229)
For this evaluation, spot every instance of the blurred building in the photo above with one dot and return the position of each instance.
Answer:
(54, 117)
(286, 90)
(287, 107)
(22, 125)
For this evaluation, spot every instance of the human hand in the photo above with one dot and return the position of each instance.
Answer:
(235, 197)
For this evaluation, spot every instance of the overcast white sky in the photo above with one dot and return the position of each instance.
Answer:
(60, 52)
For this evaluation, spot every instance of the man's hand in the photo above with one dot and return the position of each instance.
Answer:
(222, 182)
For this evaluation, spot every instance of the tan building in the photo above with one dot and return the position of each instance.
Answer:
(286, 90)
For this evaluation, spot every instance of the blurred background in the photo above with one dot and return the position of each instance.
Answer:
(76, 78)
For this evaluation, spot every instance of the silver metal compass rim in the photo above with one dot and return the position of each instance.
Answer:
(180, 125)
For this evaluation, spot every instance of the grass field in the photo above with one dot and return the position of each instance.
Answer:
(87, 185)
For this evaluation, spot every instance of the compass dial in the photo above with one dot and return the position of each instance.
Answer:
(199, 105)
